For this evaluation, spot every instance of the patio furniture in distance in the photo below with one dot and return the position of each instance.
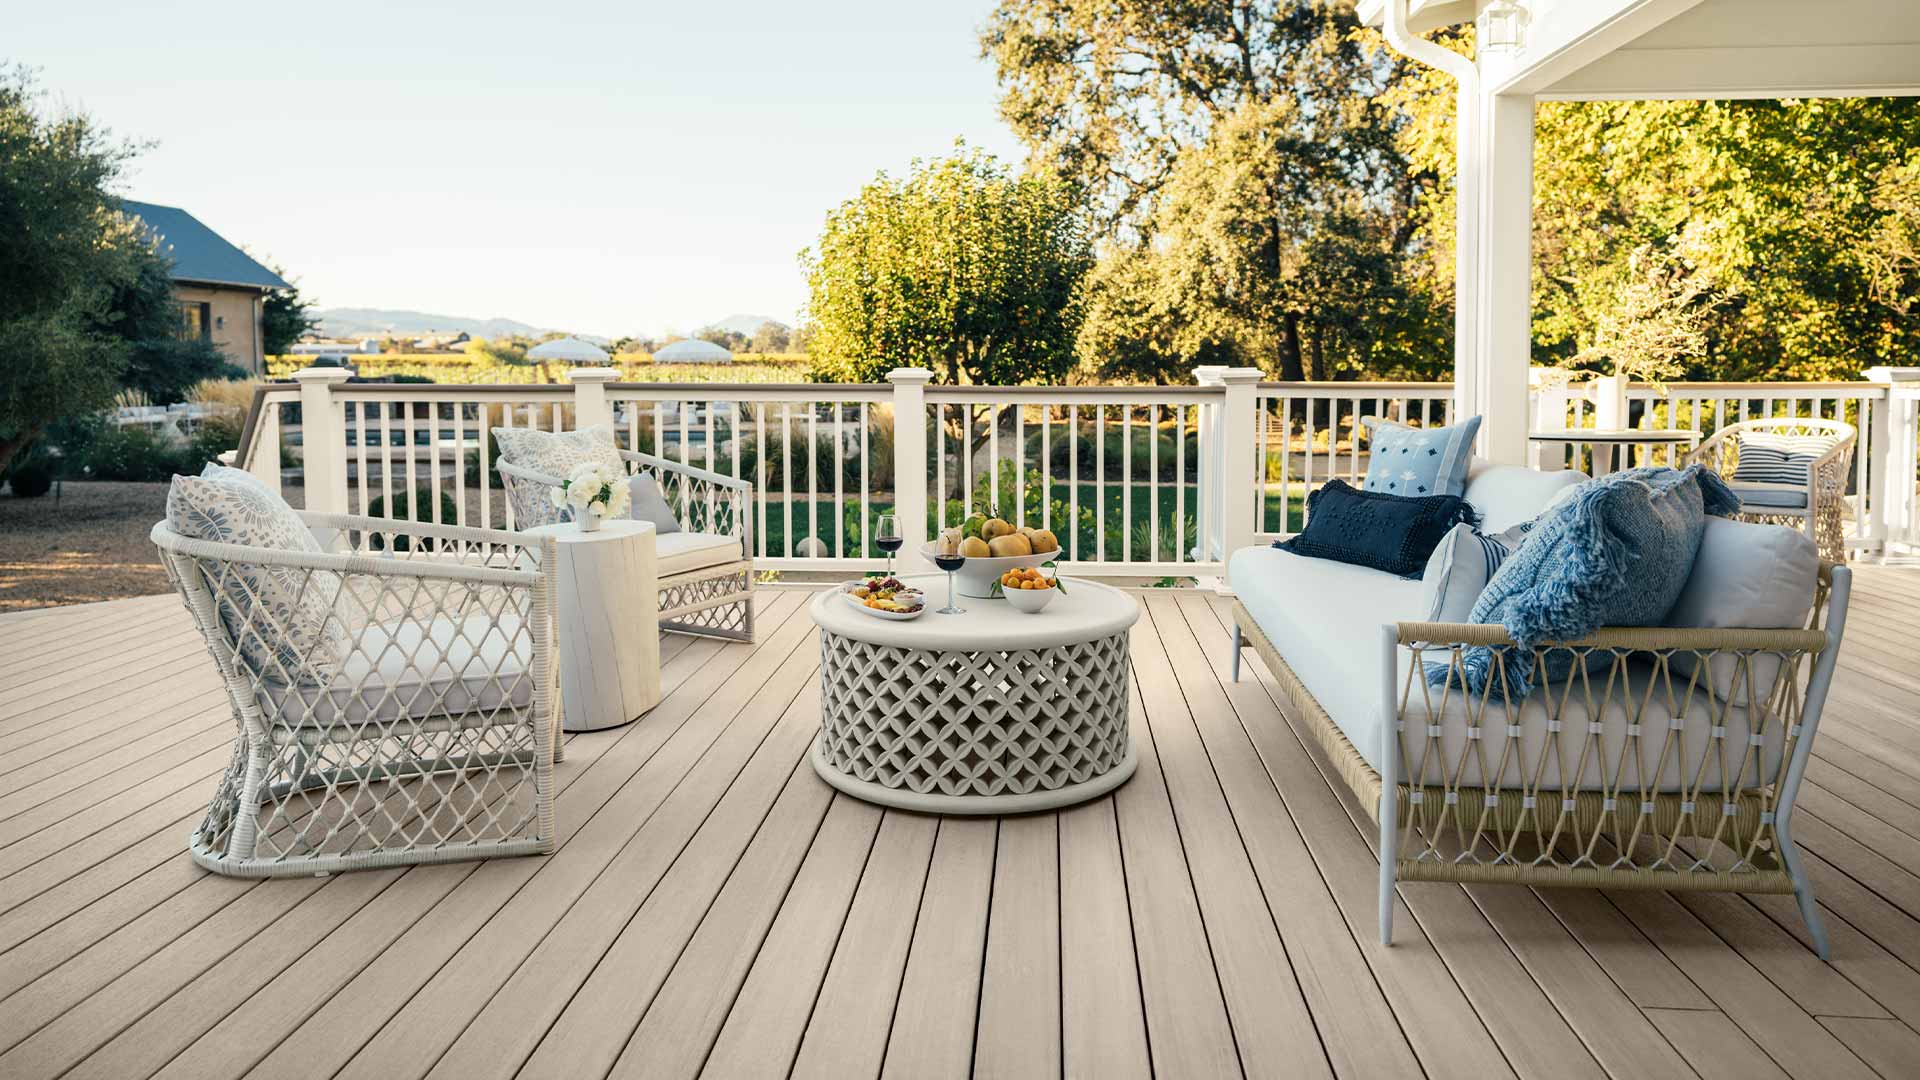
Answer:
(609, 666)
(421, 733)
(1611, 446)
(704, 571)
(1790, 471)
(988, 712)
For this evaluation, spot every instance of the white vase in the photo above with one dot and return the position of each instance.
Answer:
(589, 518)
(1609, 396)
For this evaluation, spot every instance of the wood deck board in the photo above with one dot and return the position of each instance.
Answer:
(713, 907)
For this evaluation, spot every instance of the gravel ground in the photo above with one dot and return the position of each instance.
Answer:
(89, 544)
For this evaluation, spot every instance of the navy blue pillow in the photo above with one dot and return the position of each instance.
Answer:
(1394, 533)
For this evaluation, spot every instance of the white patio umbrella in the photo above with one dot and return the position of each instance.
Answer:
(571, 350)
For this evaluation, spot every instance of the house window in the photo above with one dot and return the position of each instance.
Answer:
(196, 321)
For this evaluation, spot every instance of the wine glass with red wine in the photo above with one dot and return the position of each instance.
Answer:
(886, 533)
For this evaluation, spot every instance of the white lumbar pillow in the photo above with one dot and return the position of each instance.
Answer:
(1751, 576)
(1461, 566)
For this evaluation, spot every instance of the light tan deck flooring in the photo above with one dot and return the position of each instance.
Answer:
(715, 907)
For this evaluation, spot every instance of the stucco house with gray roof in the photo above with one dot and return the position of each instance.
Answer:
(220, 288)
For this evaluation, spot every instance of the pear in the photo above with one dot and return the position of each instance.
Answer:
(1010, 544)
(975, 548)
(993, 529)
(1043, 541)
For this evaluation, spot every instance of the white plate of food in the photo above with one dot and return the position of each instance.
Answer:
(885, 597)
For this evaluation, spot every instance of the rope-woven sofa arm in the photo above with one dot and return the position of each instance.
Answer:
(1629, 638)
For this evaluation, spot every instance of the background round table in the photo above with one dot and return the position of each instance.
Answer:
(989, 712)
(607, 621)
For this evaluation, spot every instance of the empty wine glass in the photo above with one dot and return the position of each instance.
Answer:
(886, 533)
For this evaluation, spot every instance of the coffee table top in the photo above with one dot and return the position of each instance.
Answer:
(1085, 611)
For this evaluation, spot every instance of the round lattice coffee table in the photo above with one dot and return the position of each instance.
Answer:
(989, 712)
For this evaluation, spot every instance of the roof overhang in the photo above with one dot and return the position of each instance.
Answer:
(1628, 49)
(247, 285)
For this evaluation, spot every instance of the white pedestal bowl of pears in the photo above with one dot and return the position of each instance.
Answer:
(992, 547)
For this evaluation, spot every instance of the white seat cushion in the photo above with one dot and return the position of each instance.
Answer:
(1325, 619)
(681, 552)
(1772, 496)
(472, 669)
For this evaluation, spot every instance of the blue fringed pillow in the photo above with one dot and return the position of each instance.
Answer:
(1617, 552)
(1373, 529)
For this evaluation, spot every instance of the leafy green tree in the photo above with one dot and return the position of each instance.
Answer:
(284, 316)
(770, 338)
(67, 251)
(960, 267)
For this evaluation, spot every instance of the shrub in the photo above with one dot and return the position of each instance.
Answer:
(135, 453)
(216, 435)
(32, 473)
(422, 502)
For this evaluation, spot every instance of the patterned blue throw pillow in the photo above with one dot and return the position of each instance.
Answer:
(1618, 552)
(1417, 462)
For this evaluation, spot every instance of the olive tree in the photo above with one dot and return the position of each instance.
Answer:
(960, 267)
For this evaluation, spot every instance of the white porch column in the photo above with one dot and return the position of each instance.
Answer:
(910, 464)
(590, 395)
(1207, 533)
(323, 438)
(1492, 356)
(1239, 450)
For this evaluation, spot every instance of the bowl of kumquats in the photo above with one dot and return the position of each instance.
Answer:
(1027, 589)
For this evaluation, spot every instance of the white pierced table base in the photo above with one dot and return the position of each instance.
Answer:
(974, 732)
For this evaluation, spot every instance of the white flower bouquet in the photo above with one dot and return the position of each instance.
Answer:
(594, 492)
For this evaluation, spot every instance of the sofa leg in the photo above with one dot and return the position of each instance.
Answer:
(1239, 645)
(1803, 894)
(1389, 858)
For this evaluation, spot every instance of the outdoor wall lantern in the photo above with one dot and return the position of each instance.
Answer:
(1504, 26)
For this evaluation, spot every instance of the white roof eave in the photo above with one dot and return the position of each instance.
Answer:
(1422, 15)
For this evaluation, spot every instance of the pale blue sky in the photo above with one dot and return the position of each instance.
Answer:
(601, 166)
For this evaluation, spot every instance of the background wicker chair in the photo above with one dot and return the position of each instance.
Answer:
(417, 726)
(1812, 503)
(705, 570)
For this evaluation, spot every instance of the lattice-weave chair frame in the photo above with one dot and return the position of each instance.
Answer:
(421, 727)
(1826, 484)
(712, 601)
(1471, 789)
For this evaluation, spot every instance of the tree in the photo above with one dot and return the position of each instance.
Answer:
(730, 340)
(770, 337)
(284, 316)
(960, 267)
(67, 249)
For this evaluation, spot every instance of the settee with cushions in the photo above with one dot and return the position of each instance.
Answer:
(1662, 757)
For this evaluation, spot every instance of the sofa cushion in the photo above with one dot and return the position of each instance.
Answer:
(683, 552)
(279, 619)
(1461, 567)
(1387, 532)
(1413, 461)
(1506, 495)
(1615, 553)
(1780, 496)
(1746, 575)
(1325, 620)
(442, 669)
(650, 505)
(555, 453)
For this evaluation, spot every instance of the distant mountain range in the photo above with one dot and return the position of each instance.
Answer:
(745, 325)
(378, 322)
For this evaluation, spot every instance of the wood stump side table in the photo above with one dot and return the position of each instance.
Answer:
(987, 712)
(608, 622)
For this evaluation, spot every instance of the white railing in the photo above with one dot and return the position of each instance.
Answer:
(1135, 481)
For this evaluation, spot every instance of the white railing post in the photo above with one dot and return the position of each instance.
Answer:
(1894, 443)
(910, 463)
(1207, 536)
(323, 438)
(590, 395)
(1237, 464)
(264, 462)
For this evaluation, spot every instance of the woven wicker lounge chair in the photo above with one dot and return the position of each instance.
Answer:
(422, 730)
(1811, 497)
(705, 570)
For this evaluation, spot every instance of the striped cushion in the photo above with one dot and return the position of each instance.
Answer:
(1461, 567)
(1778, 459)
